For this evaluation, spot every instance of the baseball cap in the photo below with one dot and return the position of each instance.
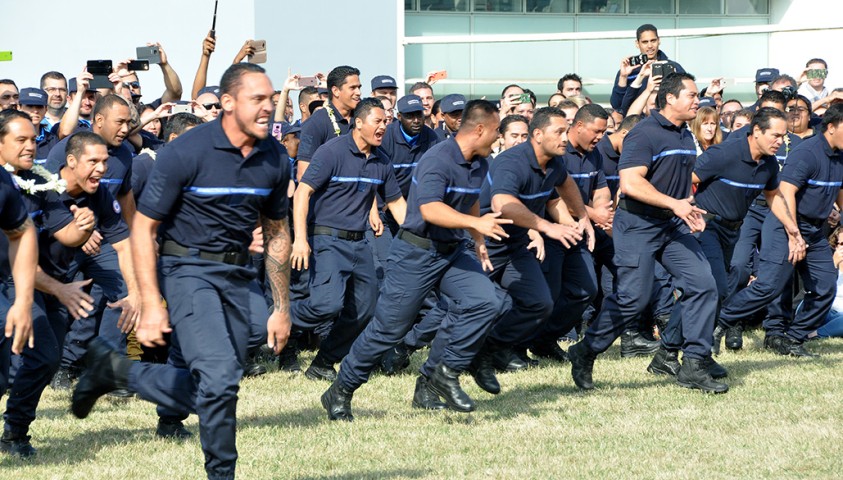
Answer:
(213, 89)
(452, 103)
(383, 81)
(33, 96)
(707, 102)
(287, 128)
(766, 75)
(409, 104)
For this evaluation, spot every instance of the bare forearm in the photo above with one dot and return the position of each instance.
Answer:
(301, 205)
(201, 77)
(442, 215)
(70, 117)
(145, 259)
(126, 263)
(398, 209)
(45, 283)
(23, 257)
(172, 84)
(511, 208)
(638, 188)
(277, 248)
(282, 106)
(127, 207)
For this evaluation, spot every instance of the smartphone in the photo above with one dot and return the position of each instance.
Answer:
(812, 73)
(100, 67)
(308, 82)
(259, 47)
(182, 108)
(138, 65)
(276, 129)
(5, 56)
(524, 98)
(437, 75)
(636, 60)
(151, 54)
(663, 68)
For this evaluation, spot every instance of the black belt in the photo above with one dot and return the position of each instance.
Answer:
(639, 208)
(730, 224)
(352, 235)
(444, 248)
(816, 222)
(172, 248)
(761, 202)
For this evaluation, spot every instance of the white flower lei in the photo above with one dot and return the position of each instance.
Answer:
(330, 110)
(53, 182)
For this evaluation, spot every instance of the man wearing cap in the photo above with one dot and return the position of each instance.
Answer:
(763, 78)
(386, 86)
(34, 102)
(81, 100)
(451, 106)
(209, 98)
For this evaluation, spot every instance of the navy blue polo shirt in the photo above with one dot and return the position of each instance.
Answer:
(817, 170)
(517, 172)
(668, 152)
(13, 213)
(730, 179)
(442, 133)
(781, 155)
(54, 257)
(42, 206)
(609, 159)
(208, 196)
(444, 175)
(141, 167)
(318, 129)
(404, 156)
(344, 183)
(586, 170)
(118, 174)
(44, 142)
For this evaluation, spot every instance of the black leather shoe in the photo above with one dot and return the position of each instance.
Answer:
(483, 372)
(105, 371)
(776, 344)
(318, 370)
(795, 349)
(445, 382)
(17, 445)
(506, 360)
(550, 350)
(121, 393)
(582, 364)
(665, 362)
(288, 359)
(172, 429)
(633, 344)
(424, 398)
(63, 379)
(253, 370)
(714, 369)
(719, 333)
(337, 401)
(694, 374)
(396, 359)
(734, 337)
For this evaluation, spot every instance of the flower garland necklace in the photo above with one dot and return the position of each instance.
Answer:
(53, 182)
(333, 118)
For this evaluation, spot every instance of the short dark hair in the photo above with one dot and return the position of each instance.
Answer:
(833, 116)
(630, 121)
(232, 78)
(647, 27)
(533, 98)
(786, 77)
(745, 113)
(672, 85)
(510, 119)
(434, 110)
(6, 117)
(590, 112)
(420, 85)
(308, 93)
(508, 87)
(542, 116)
(567, 104)
(52, 75)
(78, 141)
(337, 77)
(803, 99)
(731, 100)
(816, 60)
(477, 112)
(774, 96)
(178, 123)
(570, 76)
(763, 116)
(8, 81)
(364, 107)
(107, 102)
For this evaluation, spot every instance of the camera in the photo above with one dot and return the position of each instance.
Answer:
(788, 93)
(636, 60)
(663, 69)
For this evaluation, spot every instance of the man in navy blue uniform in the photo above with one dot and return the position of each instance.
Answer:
(729, 177)
(810, 185)
(208, 190)
(430, 250)
(34, 102)
(451, 107)
(654, 222)
(343, 177)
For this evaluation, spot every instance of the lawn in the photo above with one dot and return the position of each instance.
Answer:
(782, 418)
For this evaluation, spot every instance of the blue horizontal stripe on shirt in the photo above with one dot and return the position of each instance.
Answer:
(674, 152)
(489, 178)
(374, 181)
(741, 185)
(818, 183)
(583, 175)
(475, 191)
(404, 165)
(211, 191)
(111, 181)
(534, 196)
(40, 161)
(35, 214)
(613, 177)
(781, 158)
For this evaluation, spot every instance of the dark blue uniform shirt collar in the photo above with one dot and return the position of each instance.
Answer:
(220, 140)
(664, 122)
(374, 152)
(460, 159)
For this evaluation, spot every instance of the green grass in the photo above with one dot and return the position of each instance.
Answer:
(781, 419)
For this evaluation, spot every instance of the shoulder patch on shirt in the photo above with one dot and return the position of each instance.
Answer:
(116, 206)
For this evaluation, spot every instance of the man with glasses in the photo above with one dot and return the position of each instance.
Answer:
(55, 84)
(9, 95)
(209, 99)
(727, 113)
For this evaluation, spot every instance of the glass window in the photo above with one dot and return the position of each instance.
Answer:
(409, 5)
(601, 6)
(444, 5)
(497, 6)
(701, 7)
(651, 6)
(549, 6)
(747, 7)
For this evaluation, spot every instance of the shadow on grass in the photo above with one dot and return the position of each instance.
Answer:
(83, 447)
(302, 418)
(397, 473)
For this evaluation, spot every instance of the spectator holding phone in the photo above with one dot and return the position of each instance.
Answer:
(812, 81)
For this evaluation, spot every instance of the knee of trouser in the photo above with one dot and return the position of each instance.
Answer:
(219, 380)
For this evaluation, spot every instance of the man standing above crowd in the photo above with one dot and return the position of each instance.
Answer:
(569, 86)
(425, 92)
(55, 84)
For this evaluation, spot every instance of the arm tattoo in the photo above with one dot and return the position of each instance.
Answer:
(786, 207)
(277, 247)
(16, 232)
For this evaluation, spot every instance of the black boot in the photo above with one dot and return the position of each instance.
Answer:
(63, 379)
(665, 362)
(424, 398)
(582, 364)
(774, 343)
(714, 369)
(171, 428)
(508, 360)
(17, 445)
(320, 370)
(483, 371)
(694, 374)
(396, 359)
(288, 359)
(633, 344)
(719, 333)
(253, 369)
(734, 337)
(105, 371)
(337, 401)
(795, 349)
(445, 382)
(550, 350)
